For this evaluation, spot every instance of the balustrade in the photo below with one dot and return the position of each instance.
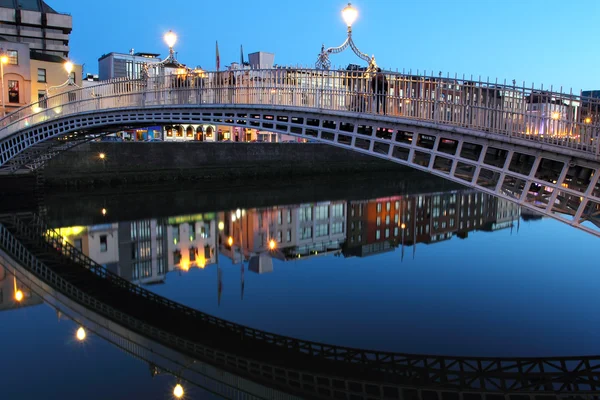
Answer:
(554, 118)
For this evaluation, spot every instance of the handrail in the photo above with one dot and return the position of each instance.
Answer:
(553, 117)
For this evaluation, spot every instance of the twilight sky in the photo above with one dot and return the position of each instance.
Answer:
(541, 41)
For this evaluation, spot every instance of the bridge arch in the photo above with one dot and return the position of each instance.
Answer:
(452, 128)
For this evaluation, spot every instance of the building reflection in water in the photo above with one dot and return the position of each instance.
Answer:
(145, 251)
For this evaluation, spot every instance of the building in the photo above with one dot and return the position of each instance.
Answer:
(37, 24)
(261, 60)
(50, 76)
(119, 65)
(17, 75)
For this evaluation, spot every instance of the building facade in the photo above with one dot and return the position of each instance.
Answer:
(17, 75)
(37, 24)
(119, 65)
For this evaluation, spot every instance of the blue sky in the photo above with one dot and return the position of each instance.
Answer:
(542, 41)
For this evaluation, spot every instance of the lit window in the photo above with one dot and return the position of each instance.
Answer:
(13, 57)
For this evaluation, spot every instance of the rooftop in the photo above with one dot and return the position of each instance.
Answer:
(29, 5)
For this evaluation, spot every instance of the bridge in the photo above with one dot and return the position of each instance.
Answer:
(44, 261)
(536, 147)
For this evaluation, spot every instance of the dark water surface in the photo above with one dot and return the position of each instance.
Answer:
(404, 264)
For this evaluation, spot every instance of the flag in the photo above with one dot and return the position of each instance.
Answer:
(218, 58)
(241, 55)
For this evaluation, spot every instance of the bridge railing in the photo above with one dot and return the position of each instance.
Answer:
(561, 119)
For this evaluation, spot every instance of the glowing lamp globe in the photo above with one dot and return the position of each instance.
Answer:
(178, 391)
(272, 244)
(170, 39)
(19, 295)
(349, 14)
(69, 67)
(4, 60)
(230, 241)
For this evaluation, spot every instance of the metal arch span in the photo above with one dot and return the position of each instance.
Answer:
(561, 185)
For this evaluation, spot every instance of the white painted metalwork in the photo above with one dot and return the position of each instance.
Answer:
(506, 140)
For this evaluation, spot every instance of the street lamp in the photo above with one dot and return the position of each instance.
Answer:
(272, 244)
(349, 15)
(69, 66)
(3, 60)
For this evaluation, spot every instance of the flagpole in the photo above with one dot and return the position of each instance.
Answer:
(218, 58)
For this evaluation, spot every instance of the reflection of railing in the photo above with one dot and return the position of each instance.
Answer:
(477, 374)
(499, 109)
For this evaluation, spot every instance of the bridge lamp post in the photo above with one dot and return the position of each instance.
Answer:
(349, 15)
(170, 39)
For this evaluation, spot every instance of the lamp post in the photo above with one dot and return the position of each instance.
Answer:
(349, 15)
(68, 65)
(3, 60)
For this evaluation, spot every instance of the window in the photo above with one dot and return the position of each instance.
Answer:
(176, 257)
(337, 210)
(13, 91)
(387, 233)
(279, 236)
(279, 217)
(13, 57)
(378, 207)
(306, 214)
(175, 230)
(378, 221)
(169, 131)
(337, 227)
(288, 236)
(397, 205)
(77, 243)
(192, 229)
(387, 219)
(321, 230)
(42, 75)
(72, 77)
(103, 244)
(321, 212)
(396, 231)
(378, 234)
(306, 233)
(42, 99)
(387, 206)
(396, 218)
(289, 216)
(193, 254)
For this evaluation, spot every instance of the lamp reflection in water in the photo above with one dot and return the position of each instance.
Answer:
(178, 391)
(19, 296)
(81, 334)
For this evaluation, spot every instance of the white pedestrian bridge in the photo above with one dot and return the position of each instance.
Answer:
(534, 146)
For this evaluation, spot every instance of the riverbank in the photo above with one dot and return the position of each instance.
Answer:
(99, 164)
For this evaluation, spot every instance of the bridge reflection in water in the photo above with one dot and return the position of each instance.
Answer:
(269, 365)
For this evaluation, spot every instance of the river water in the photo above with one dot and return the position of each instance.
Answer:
(407, 263)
